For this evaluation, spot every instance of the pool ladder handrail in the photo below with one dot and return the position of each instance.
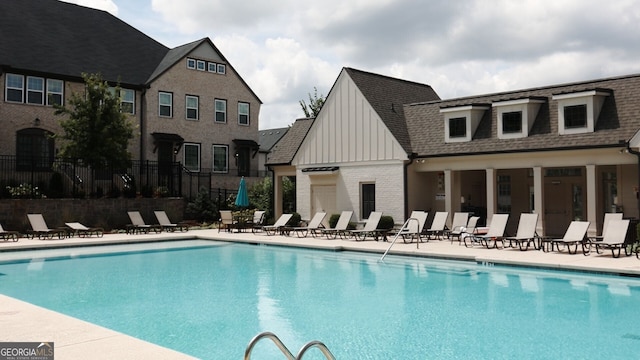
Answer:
(404, 227)
(271, 336)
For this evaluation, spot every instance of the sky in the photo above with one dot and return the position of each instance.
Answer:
(284, 49)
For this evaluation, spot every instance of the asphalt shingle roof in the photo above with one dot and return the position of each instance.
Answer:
(270, 137)
(619, 120)
(54, 37)
(284, 151)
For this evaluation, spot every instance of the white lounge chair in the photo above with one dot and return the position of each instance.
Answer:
(438, 225)
(526, 234)
(370, 228)
(314, 224)
(605, 224)
(84, 231)
(459, 222)
(278, 226)
(166, 224)
(340, 229)
(39, 228)
(576, 233)
(258, 220)
(415, 227)
(614, 239)
(138, 225)
(494, 234)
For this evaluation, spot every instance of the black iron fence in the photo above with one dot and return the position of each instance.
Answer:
(60, 178)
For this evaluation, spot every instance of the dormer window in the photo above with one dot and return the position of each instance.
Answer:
(578, 112)
(516, 117)
(461, 122)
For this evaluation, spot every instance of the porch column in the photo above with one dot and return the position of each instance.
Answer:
(538, 198)
(592, 216)
(448, 194)
(277, 197)
(491, 194)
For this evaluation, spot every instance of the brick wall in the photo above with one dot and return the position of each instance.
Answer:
(105, 213)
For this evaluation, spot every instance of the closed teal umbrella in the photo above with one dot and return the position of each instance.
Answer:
(242, 200)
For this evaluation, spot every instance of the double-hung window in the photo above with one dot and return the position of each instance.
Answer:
(220, 158)
(55, 92)
(14, 90)
(221, 111)
(243, 113)
(191, 156)
(192, 107)
(127, 101)
(35, 90)
(165, 101)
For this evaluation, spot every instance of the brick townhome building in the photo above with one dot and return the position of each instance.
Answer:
(188, 103)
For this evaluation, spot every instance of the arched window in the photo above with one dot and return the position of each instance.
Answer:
(34, 150)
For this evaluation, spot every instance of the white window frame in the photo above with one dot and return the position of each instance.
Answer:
(592, 99)
(52, 92)
(15, 88)
(212, 67)
(529, 109)
(201, 65)
(191, 63)
(242, 113)
(124, 99)
(184, 156)
(216, 111)
(188, 107)
(213, 153)
(473, 115)
(40, 91)
(221, 69)
(160, 104)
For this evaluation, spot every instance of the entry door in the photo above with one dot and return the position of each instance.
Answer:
(564, 202)
(165, 157)
(323, 198)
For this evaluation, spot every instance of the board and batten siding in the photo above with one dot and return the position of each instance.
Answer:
(347, 130)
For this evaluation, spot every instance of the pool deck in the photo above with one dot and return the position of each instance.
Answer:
(77, 339)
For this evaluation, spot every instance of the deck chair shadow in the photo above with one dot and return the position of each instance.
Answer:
(370, 228)
(340, 229)
(39, 228)
(138, 225)
(494, 234)
(526, 234)
(7, 235)
(459, 222)
(413, 227)
(438, 225)
(314, 224)
(84, 231)
(166, 224)
(576, 234)
(279, 226)
(614, 239)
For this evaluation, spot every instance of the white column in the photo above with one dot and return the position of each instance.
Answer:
(491, 194)
(591, 200)
(538, 198)
(448, 193)
(277, 196)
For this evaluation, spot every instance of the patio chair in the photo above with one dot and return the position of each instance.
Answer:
(258, 220)
(340, 229)
(370, 228)
(526, 234)
(278, 226)
(314, 224)
(460, 231)
(494, 234)
(459, 222)
(438, 225)
(7, 235)
(614, 239)
(138, 225)
(84, 231)
(226, 220)
(414, 228)
(576, 233)
(166, 224)
(39, 228)
(605, 224)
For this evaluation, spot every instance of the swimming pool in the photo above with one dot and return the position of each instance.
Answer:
(208, 299)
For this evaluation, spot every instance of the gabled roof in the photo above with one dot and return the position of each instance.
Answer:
(270, 137)
(617, 123)
(54, 37)
(284, 151)
(387, 96)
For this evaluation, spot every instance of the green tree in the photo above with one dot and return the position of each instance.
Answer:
(95, 130)
(315, 104)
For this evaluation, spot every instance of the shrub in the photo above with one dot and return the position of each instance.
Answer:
(295, 220)
(386, 223)
(202, 208)
(333, 220)
(56, 186)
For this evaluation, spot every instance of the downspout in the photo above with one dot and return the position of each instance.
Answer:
(412, 157)
(637, 154)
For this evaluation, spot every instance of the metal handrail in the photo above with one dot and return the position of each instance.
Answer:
(321, 346)
(404, 227)
(271, 336)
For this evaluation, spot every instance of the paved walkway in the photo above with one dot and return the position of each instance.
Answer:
(76, 339)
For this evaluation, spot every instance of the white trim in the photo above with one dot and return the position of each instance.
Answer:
(529, 109)
(472, 113)
(593, 100)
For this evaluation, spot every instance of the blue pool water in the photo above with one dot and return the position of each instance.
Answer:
(209, 299)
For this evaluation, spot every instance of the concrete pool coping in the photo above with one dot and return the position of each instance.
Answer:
(74, 338)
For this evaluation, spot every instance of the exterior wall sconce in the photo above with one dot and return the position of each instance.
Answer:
(36, 122)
